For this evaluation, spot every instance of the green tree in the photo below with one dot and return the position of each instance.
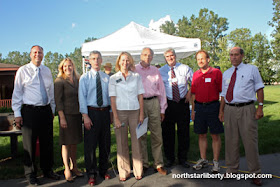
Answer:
(15, 57)
(208, 27)
(243, 38)
(89, 39)
(275, 23)
(52, 60)
(77, 58)
(263, 54)
(223, 54)
(1, 59)
(168, 28)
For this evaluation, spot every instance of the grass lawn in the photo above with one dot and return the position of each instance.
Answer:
(269, 141)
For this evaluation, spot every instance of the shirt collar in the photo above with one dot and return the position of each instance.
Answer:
(209, 70)
(142, 67)
(35, 67)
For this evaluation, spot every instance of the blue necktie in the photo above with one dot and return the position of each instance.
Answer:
(42, 88)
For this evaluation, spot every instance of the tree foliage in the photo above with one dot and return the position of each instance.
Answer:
(168, 28)
(208, 26)
(15, 57)
(52, 60)
(243, 38)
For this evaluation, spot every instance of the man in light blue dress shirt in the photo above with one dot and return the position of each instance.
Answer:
(240, 84)
(178, 109)
(96, 117)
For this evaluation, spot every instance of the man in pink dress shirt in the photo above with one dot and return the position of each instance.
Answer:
(154, 108)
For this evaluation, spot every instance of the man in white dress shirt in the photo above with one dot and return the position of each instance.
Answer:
(33, 105)
(240, 84)
(176, 77)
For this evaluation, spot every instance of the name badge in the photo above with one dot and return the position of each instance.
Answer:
(208, 80)
(174, 80)
(119, 80)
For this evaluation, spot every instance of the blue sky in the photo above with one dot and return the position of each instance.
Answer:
(62, 25)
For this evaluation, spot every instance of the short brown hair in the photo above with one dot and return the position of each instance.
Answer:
(202, 51)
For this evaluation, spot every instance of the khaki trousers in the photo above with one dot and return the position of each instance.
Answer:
(152, 111)
(130, 119)
(240, 121)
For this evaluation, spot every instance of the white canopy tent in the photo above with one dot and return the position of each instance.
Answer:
(134, 37)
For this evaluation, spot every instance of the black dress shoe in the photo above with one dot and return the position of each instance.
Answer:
(52, 175)
(169, 163)
(34, 182)
(184, 164)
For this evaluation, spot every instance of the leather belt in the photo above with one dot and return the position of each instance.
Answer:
(36, 107)
(99, 109)
(149, 98)
(240, 104)
(206, 103)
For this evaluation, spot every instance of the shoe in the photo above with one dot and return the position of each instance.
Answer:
(34, 182)
(201, 163)
(161, 170)
(52, 175)
(145, 169)
(91, 181)
(68, 177)
(169, 163)
(216, 168)
(184, 164)
(138, 178)
(77, 173)
(106, 176)
(122, 179)
(257, 181)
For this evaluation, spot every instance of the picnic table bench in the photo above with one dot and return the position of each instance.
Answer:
(7, 129)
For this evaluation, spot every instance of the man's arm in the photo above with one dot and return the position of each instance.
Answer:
(17, 99)
(222, 107)
(260, 96)
(193, 107)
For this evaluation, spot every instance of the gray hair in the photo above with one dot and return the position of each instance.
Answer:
(169, 50)
(95, 52)
(149, 49)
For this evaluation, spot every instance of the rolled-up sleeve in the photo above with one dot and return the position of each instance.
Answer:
(141, 89)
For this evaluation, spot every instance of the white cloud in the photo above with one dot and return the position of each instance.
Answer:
(73, 25)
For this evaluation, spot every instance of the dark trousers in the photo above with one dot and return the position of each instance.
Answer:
(99, 134)
(176, 113)
(37, 122)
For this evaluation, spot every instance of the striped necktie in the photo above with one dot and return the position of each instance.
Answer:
(229, 95)
(98, 90)
(175, 88)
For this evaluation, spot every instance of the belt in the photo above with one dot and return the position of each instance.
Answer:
(99, 109)
(149, 98)
(206, 103)
(36, 107)
(240, 104)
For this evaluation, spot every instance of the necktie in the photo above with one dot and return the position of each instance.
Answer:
(229, 95)
(175, 88)
(42, 88)
(98, 90)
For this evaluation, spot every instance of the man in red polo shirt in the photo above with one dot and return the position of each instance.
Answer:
(206, 86)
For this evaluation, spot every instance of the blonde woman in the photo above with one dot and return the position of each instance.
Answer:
(126, 92)
(70, 130)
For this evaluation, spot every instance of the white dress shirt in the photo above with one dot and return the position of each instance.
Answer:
(126, 90)
(248, 81)
(27, 87)
(184, 74)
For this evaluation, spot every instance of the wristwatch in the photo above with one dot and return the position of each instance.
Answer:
(261, 104)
